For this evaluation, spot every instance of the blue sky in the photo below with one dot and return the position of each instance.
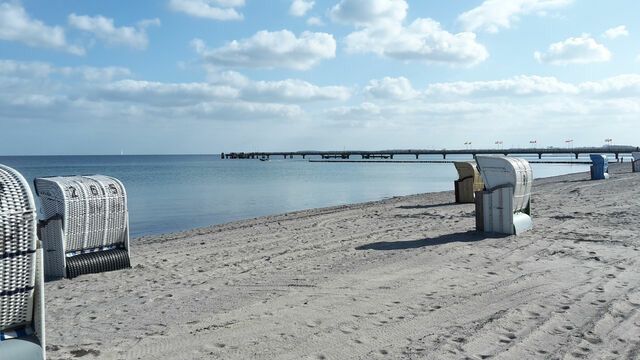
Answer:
(206, 76)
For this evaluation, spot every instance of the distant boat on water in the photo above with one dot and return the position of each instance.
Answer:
(264, 159)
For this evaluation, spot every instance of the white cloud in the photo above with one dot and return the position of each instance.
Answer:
(228, 86)
(300, 7)
(390, 89)
(492, 15)
(625, 85)
(105, 29)
(209, 9)
(103, 74)
(579, 50)
(518, 88)
(365, 111)
(164, 94)
(17, 25)
(367, 12)
(423, 40)
(25, 69)
(315, 21)
(381, 31)
(291, 90)
(616, 32)
(523, 85)
(267, 49)
(37, 69)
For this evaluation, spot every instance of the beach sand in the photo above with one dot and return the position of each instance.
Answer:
(407, 277)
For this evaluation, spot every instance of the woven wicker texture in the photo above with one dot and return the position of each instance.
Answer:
(17, 249)
(93, 209)
(107, 260)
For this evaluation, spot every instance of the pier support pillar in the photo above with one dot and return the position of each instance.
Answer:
(444, 156)
(222, 156)
(576, 156)
(391, 156)
(416, 156)
(617, 156)
(539, 155)
(303, 156)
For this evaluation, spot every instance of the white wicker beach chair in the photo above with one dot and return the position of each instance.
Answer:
(505, 207)
(22, 334)
(468, 183)
(87, 225)
(635, 163)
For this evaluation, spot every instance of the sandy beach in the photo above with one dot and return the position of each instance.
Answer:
(407, 277)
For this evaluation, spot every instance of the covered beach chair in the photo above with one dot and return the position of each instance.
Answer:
(600, 167)
(22, 335)
(87, 225)
(468, 183)
(635, 163)
(505, 207)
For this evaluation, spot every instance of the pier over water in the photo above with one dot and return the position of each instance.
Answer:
(389, 154)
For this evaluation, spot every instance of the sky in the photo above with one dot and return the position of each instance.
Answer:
(211, 76)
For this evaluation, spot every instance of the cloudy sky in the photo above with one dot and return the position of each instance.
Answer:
(206, 76)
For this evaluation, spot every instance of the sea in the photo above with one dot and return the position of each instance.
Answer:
(169, 193)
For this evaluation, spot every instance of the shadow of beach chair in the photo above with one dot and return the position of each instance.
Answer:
(22, 335)
(505, 207)
(635, 163)
(599, 167)
(468, 183)
(87, 225)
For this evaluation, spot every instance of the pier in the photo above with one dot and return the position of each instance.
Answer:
(389, 154)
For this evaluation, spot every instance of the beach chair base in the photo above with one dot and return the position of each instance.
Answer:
(494, 212)
(96, 262)
(59, 264)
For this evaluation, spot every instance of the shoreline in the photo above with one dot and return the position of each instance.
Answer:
(404, 277)
(322, 210)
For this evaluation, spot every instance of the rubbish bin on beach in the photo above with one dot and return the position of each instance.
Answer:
(86, 224)
(600, 167)
(635, 163)
(505, 206)
(468, 183)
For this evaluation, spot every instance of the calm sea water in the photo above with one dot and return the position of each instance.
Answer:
(169, 193)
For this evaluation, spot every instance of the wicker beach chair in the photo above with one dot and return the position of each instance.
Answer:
(87, 225)
(635, 163)
(505, 207)
(468, 183)
(600, 167)
(22, 334)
